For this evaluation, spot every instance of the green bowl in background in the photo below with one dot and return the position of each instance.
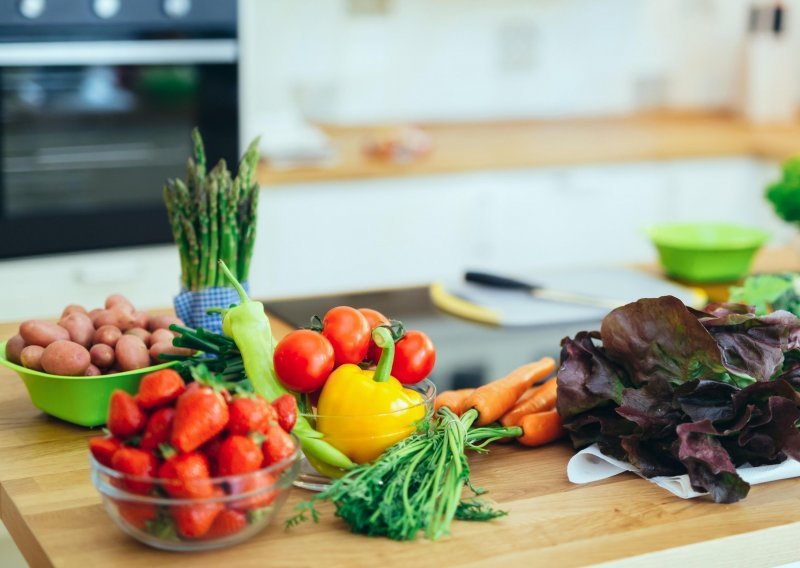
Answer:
(706, 252)
(80, 400)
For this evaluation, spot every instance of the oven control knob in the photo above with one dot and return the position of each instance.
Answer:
(106, 9)
(32, 9)
(177, 8)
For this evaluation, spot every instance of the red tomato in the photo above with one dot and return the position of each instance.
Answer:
(375, 319)
(303, 360)
(414, 357)
(349, 333)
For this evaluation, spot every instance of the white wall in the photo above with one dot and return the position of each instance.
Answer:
(473, 59)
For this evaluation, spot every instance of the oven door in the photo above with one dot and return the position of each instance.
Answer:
(90, 131)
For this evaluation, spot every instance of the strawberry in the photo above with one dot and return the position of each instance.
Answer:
(238, 454)
(286, 405)
(159, 388)
(250, 414)
(278, 446)
(103, 448)
(200, 414)
(186, 476)
(211, 449)
(228, 522)
(194, 521)
(136, 514)
(125, 418)
(259, 487)
(158, 428)
(137, 463)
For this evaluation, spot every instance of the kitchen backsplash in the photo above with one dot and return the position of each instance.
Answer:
(365, 61)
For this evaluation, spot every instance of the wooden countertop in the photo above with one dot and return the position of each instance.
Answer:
(530, 144)
(54, 514)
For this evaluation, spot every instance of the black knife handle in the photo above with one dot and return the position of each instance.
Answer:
(496, 281)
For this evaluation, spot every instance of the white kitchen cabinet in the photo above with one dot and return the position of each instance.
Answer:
(321, 238)
(43, 286)
(318, 238)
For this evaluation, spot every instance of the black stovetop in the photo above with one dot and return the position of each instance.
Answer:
(467, 353)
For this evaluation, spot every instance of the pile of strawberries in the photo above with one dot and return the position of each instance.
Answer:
(175, 440)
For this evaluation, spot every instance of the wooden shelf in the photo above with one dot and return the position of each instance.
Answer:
(531, 144)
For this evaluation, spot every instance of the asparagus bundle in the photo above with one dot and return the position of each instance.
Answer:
(213, 217)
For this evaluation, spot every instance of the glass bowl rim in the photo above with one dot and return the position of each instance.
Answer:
(118, 492)
(428, 396)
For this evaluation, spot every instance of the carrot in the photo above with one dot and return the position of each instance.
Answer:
(498, 397)
(453, 399)
(541, 398)
(540, 428)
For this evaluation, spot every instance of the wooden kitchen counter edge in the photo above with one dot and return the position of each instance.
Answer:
(54, 513)
(464, 147)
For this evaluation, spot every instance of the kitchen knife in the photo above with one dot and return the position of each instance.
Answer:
(540, 292)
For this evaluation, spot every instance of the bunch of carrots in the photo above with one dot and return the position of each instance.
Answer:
(526, 397)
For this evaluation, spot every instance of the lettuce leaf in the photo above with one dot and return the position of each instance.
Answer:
(680, 391)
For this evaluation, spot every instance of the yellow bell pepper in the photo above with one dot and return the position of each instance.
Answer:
(362, 412)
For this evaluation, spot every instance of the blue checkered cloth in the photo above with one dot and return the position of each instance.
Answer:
(191, 306)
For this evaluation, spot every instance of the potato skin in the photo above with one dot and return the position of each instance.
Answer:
(14, 347)
(118, 300)
(107, 334)
(31, 357)
(141, 333)
(131, 353)
(166, 347)
(141, 319)
(65, 358)
(102, 355)
(162, 322)
(74, 309)
(118, 316)
(161, 336)
(42, 333)
(92, 371)
(80, 328)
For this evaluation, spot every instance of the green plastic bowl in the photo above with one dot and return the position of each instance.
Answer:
(706, 252)
(80, 400)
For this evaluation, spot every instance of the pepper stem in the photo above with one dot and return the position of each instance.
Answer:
(233, 282)
(383, 339)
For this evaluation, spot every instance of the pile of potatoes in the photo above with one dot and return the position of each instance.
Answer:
(89, 343)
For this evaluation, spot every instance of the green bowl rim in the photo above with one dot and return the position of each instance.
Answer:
(759, 237)
(20, 369)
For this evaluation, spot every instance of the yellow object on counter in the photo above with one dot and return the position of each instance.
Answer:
(361, 416)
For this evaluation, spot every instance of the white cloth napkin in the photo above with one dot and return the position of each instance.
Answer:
(590, 464)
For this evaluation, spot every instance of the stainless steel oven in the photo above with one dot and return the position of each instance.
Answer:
(97, 102)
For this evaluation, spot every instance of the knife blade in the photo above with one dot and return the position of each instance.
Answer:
(540, 292)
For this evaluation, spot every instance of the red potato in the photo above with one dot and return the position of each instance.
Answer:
(162, 322)
(141, 319)
(93, 315)
(118, 300)
(102, 355)
(31, 357)
(92, 371)
(65, 358)
(131, 353)
(141, 333)
(118, 316)
(166, 347)
(107, 334)
(74, 309)
(14, 347)
(161, 336)
(42, 333)
(80, 328)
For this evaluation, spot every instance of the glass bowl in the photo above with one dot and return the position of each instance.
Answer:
(370, 430)
(240, 506)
